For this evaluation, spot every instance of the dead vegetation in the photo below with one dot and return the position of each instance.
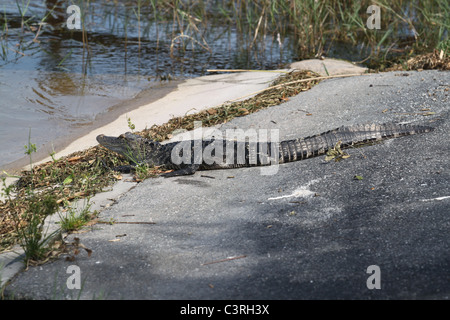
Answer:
(436, 60)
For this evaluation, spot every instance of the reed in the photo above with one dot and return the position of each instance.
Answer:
(308, 28)
(317, 25)
(312, 28)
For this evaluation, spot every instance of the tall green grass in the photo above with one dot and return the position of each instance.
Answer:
(316, 27)
(309, 27)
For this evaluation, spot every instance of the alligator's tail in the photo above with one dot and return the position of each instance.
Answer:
(304, 148)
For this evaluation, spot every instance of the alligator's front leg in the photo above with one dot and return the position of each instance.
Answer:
(122, 169)
(190, 169)
(125, 169)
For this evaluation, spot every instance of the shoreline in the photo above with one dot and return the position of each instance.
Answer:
(155, 105)
(147, 96)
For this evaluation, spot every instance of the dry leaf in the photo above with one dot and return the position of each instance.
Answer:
(244, 111)
(73, 159)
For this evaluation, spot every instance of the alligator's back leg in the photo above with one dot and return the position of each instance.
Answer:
(190, 169)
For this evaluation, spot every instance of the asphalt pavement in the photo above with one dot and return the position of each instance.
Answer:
(373, 226)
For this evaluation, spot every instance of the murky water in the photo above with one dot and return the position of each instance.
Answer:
(56, 82)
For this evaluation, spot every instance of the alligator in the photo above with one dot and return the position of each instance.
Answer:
(181, 157)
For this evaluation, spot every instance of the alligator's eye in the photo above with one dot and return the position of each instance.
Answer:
(122, 136)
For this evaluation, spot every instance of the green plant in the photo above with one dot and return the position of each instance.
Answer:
(29, 149)
(7, 189)
(336, 153)
(75, 218)
(59, 65)
(130, 124)
(23, 10)
(143, 171)
(34, 240)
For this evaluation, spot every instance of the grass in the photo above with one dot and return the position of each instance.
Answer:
(315, 28)
(34, 240)
(75, 217)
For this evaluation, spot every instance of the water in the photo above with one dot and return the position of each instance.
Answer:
(56, 87)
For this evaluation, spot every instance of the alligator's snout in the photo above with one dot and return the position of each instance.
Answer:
(100, 138)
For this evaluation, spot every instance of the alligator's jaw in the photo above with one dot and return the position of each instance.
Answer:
(112, 143)
(133, 147)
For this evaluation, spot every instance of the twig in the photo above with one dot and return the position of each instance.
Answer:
(205, 47)
(23, 54)
(245, 70)
(125, 222)
(257, 28)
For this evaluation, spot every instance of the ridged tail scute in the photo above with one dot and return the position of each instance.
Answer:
(304, 148)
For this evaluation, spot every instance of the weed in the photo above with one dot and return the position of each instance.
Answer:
(336, 153)
(34, 240)
(75, 218)
(29, 224)
(130, 124)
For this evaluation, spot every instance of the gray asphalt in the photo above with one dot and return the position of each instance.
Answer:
(308, 232)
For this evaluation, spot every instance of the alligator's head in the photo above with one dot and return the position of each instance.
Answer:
(135, 148)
